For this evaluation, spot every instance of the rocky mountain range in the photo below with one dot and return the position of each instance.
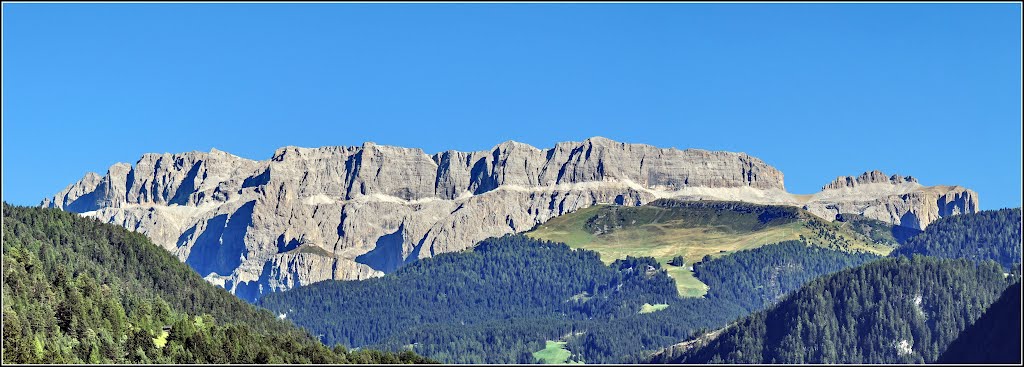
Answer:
(312, 214)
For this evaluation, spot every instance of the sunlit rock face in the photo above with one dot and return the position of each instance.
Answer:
(312, 214)
(893, 199)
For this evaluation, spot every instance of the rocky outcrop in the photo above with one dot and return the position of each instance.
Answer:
(311, 214)
(866, 178)
(79, 197)
(893, 199)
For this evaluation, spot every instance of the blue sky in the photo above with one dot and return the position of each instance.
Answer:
(816, 90)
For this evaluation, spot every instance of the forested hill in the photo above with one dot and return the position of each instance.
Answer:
(79, 291)
(503, 300)
(511, 279)
(994, 338)
(757, 278)
(895, 310)
(986, 235)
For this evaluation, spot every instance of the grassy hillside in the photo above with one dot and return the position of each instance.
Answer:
(665, 229)
(648, 308)
(554, 352)
(76, 290)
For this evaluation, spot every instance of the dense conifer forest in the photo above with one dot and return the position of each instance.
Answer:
(995, 338)
(895, 310)
(79, 291)
(986, 235)
(501, 301)
(757, 278)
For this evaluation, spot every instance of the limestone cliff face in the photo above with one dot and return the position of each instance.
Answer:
(311, 214)
(867, 178)
(894, 199)
(79, 197)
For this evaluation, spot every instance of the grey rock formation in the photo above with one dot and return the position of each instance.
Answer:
(307, 215)
(893, 199)
(79, 197)
(871, 177)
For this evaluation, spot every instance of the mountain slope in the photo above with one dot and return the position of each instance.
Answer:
(501, 301)
(895, 310)
(667, 228)
(986, 235)
(77, 290)
(878, 231)
(306, 215)
(995, 338)
(757, 278)
(544, 288)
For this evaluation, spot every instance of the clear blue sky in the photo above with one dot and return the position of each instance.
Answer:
(817, 90)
